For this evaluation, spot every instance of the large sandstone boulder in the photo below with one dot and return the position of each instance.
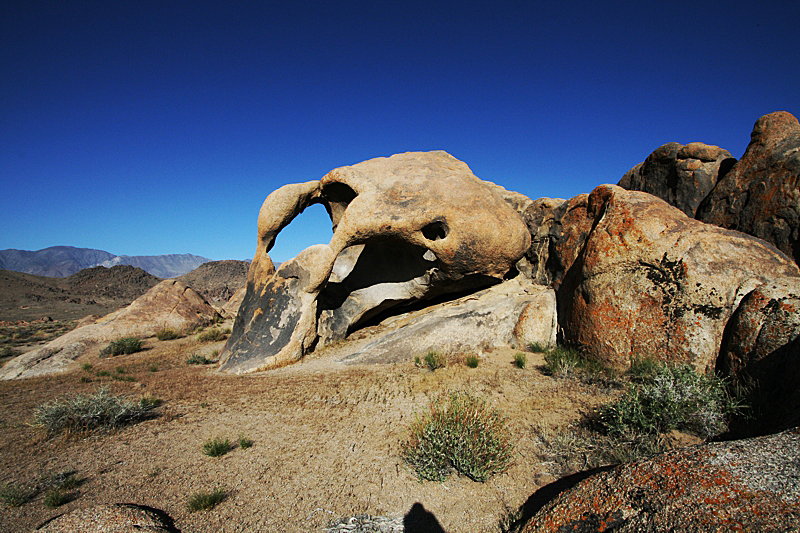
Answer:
(682, 175)
(111, 518)
(170, 304)
(406, 228)
(761, 193)
(747, 485)
(761, 355)
(511, 314)
(652, 282)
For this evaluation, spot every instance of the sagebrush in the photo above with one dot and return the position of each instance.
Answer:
(82, 413)
(459, 432)
(675, 397)
(123, 346)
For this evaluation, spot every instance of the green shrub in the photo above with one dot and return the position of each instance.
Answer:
(167, 334)
(643, 368)
(14, 495)
(473, 361)
(197, 359)
(434, 360)
(124, 346)
(520, 360)
(212, 335)
(55, 498)
(82, 413)
(216, 447)
(201, 501)
(459, 432)
(86, 367)
(538, 347)
(244, 442)
(561, 362)
(676, 397)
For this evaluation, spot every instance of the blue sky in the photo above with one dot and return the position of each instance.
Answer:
(147, 128)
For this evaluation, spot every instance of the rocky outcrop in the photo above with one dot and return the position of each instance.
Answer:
(760, 354)
(746, 485)
(170, 304)
(651, 282)
(111, 518)
(761, 194)
(681, 175)
(511, 314)
(558, 229)
(409, 227)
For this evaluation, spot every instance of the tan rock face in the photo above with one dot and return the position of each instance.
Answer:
(652, 282)
(170, 304)
(411, 226)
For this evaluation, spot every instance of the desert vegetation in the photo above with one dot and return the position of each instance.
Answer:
(123, 346)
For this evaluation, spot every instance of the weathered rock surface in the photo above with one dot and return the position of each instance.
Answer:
(761, 355)
(761, 193)
(652, 282)
(111, 518)
(231, 307)
(681, 175)
(746, 485)
(502, 315)
(408, 227)
(170, 304)
(558, 229)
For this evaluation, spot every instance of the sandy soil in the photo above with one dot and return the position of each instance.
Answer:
(327, 439)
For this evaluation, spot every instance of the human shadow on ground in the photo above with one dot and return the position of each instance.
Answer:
(419, 520)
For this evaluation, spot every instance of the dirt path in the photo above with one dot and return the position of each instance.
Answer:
(326, 436)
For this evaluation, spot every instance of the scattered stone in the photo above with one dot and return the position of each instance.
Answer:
(170, 304)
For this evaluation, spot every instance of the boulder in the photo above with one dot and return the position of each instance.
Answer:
(652, 282)
(760, 355)
(558, 229)
(745, 485)
(510, 314)
(231, 307)
(681, 175)
(170, 304)
(111, 518)
(406, 228)
(761, 194)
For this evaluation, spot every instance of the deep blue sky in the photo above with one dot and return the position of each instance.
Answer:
(146, 128)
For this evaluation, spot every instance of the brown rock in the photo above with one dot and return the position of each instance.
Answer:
(761, 355)
(747, 485)
(652, 282)
(761, 193)
(680, 175)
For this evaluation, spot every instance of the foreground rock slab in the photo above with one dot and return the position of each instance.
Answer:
(111, 518)
(746, 485)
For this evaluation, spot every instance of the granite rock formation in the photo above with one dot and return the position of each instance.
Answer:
(406, 228)
(170, 304)
(651, 282)
(682, 175)
(761, 194)
(745, 485)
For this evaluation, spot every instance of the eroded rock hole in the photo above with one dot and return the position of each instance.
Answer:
(337, 196)
(435, 230)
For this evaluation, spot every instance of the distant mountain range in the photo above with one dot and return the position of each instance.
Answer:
(63, 261)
